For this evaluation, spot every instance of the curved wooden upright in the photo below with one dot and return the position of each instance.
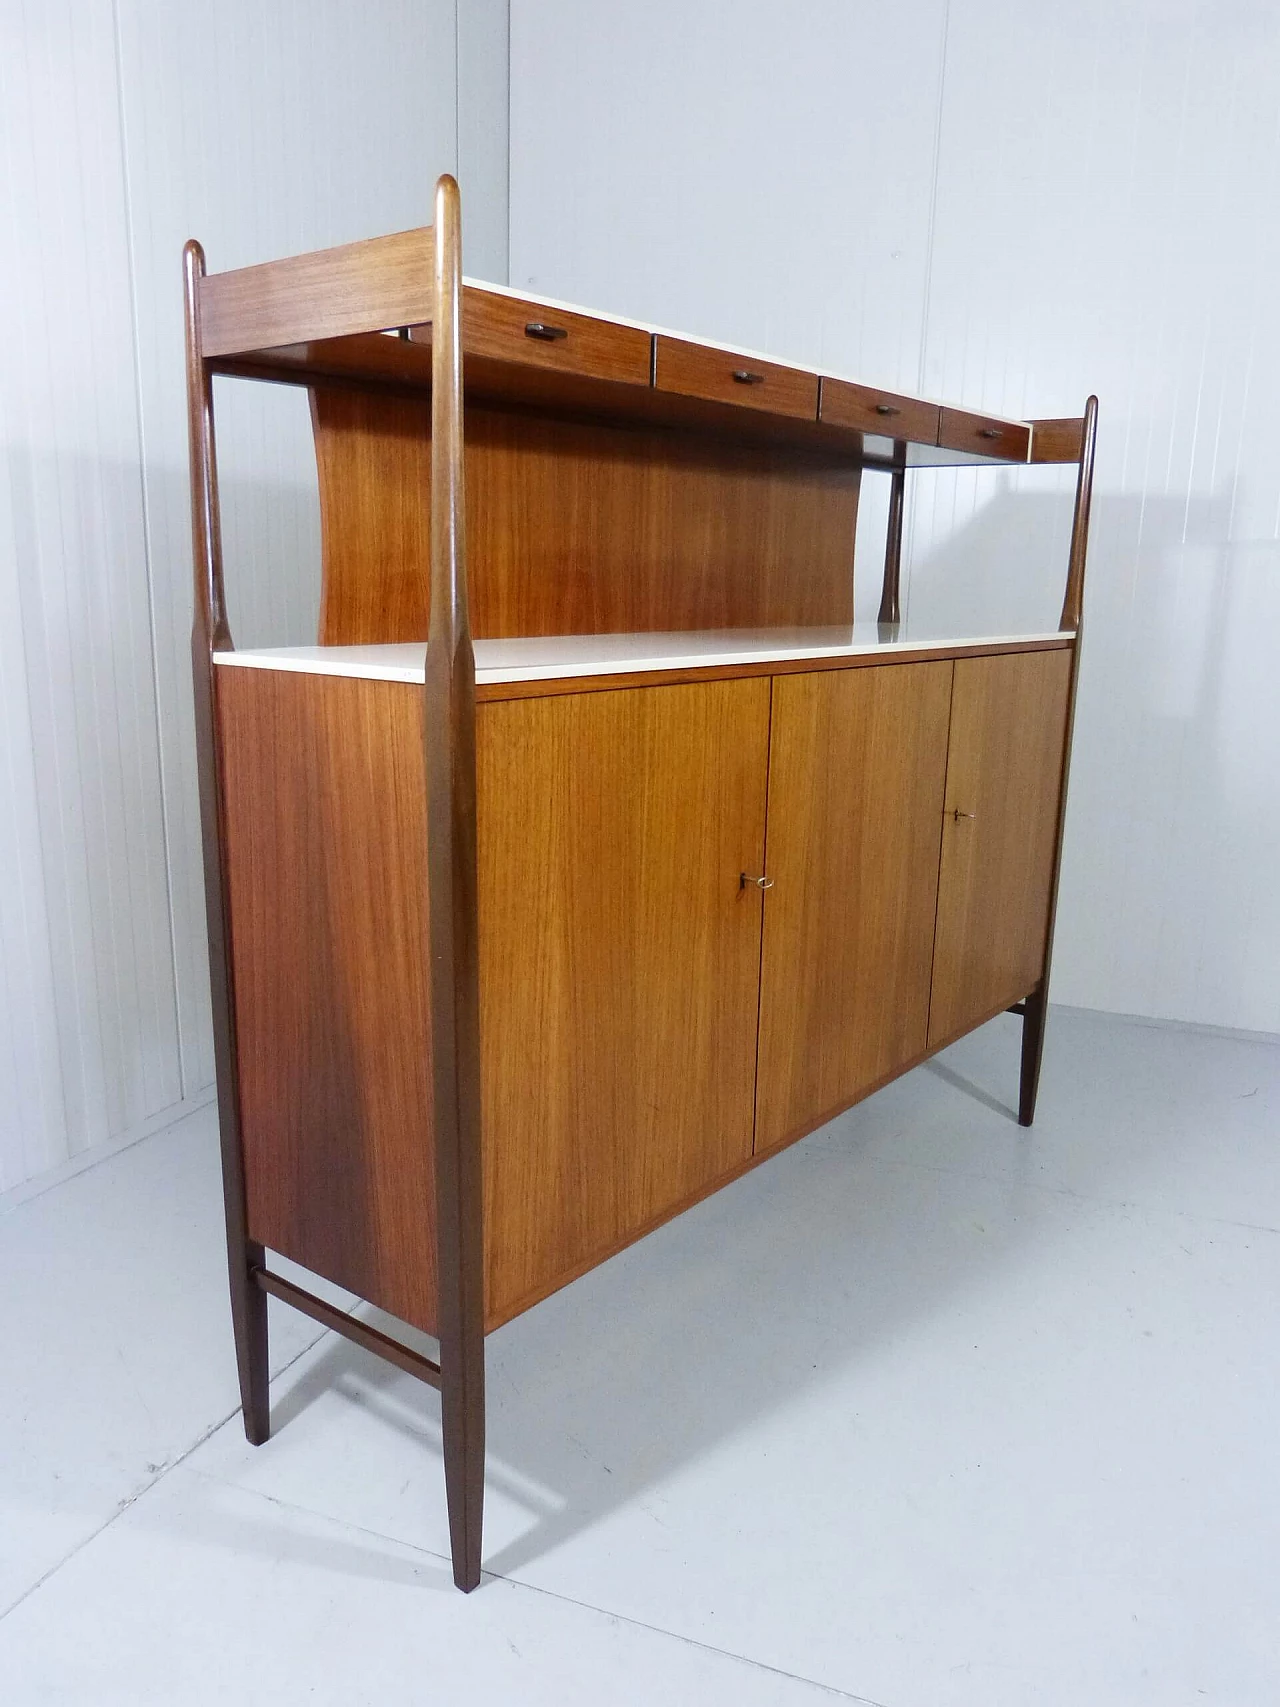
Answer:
(1068, 440)
(210, 633)
(449, 736)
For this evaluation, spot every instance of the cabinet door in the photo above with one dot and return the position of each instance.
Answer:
(857, 766)
(1004, 779)
(620, 961)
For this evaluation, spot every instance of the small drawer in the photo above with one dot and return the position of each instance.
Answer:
(847, 405)
(509, 330)
(1009, 440)
(694, 370)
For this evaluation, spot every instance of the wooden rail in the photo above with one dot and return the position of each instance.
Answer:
(349, 1326)
(332, 293)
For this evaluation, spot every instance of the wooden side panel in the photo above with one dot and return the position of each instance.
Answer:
(1058, 440)
(575, 527)
(357, 287)
(326, 844)
(1004, 781)
(619, 965)
(373, 456)
(857, 767)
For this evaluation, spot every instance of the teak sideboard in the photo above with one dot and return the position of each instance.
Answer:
(521, 945)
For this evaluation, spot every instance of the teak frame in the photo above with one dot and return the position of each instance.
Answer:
(373, 285)
(316, 319)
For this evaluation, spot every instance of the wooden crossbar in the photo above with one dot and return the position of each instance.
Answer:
(382, 1345)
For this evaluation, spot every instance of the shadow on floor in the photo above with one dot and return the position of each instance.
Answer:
(636, 1370)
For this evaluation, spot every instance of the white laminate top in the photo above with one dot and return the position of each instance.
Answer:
(544, 658)
(553, 302)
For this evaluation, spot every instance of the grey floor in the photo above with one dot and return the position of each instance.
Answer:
(928, 1411)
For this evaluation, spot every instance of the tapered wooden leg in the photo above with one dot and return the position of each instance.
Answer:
(249, 1324)
(1033, 1016)
(462, 1412)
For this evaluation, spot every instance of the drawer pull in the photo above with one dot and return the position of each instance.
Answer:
(887, 409)
(989, 433)
(957, 814)
(744, 376)
(549, 334)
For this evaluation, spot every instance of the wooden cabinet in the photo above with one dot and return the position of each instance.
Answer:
(651, 1013)
(857, 764)
(1000, 824)
(649, 861)
(710, 918)
(620, 963)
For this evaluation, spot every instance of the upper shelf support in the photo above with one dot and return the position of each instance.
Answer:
(1073, 600)
(890, 603)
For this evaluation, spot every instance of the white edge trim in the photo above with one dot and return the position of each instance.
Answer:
(407, 664)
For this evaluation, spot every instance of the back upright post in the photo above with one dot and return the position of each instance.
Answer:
(1035, 1008)
(209, 634)
(449, 733)
(890, 601)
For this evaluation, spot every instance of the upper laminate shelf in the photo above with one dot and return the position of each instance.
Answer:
(576, 656)
(290, 322)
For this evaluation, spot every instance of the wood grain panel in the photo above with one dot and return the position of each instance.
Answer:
(698, 370)
(357, 287)
(574, 527)
(1000, 817)
(373, 456)
(620, 965)
(510, 330)
(326, 853)
(844, 404)
(857, 768)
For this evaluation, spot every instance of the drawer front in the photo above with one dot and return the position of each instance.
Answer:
(958, 430)
(513, 331)
(694, 370)
(847, 405)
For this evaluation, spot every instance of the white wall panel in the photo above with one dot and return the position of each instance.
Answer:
(263, 132)
(1007, 205)
(483, 154)
(124, 129)
(757, 173)
(30, 1069)
(74, 493)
